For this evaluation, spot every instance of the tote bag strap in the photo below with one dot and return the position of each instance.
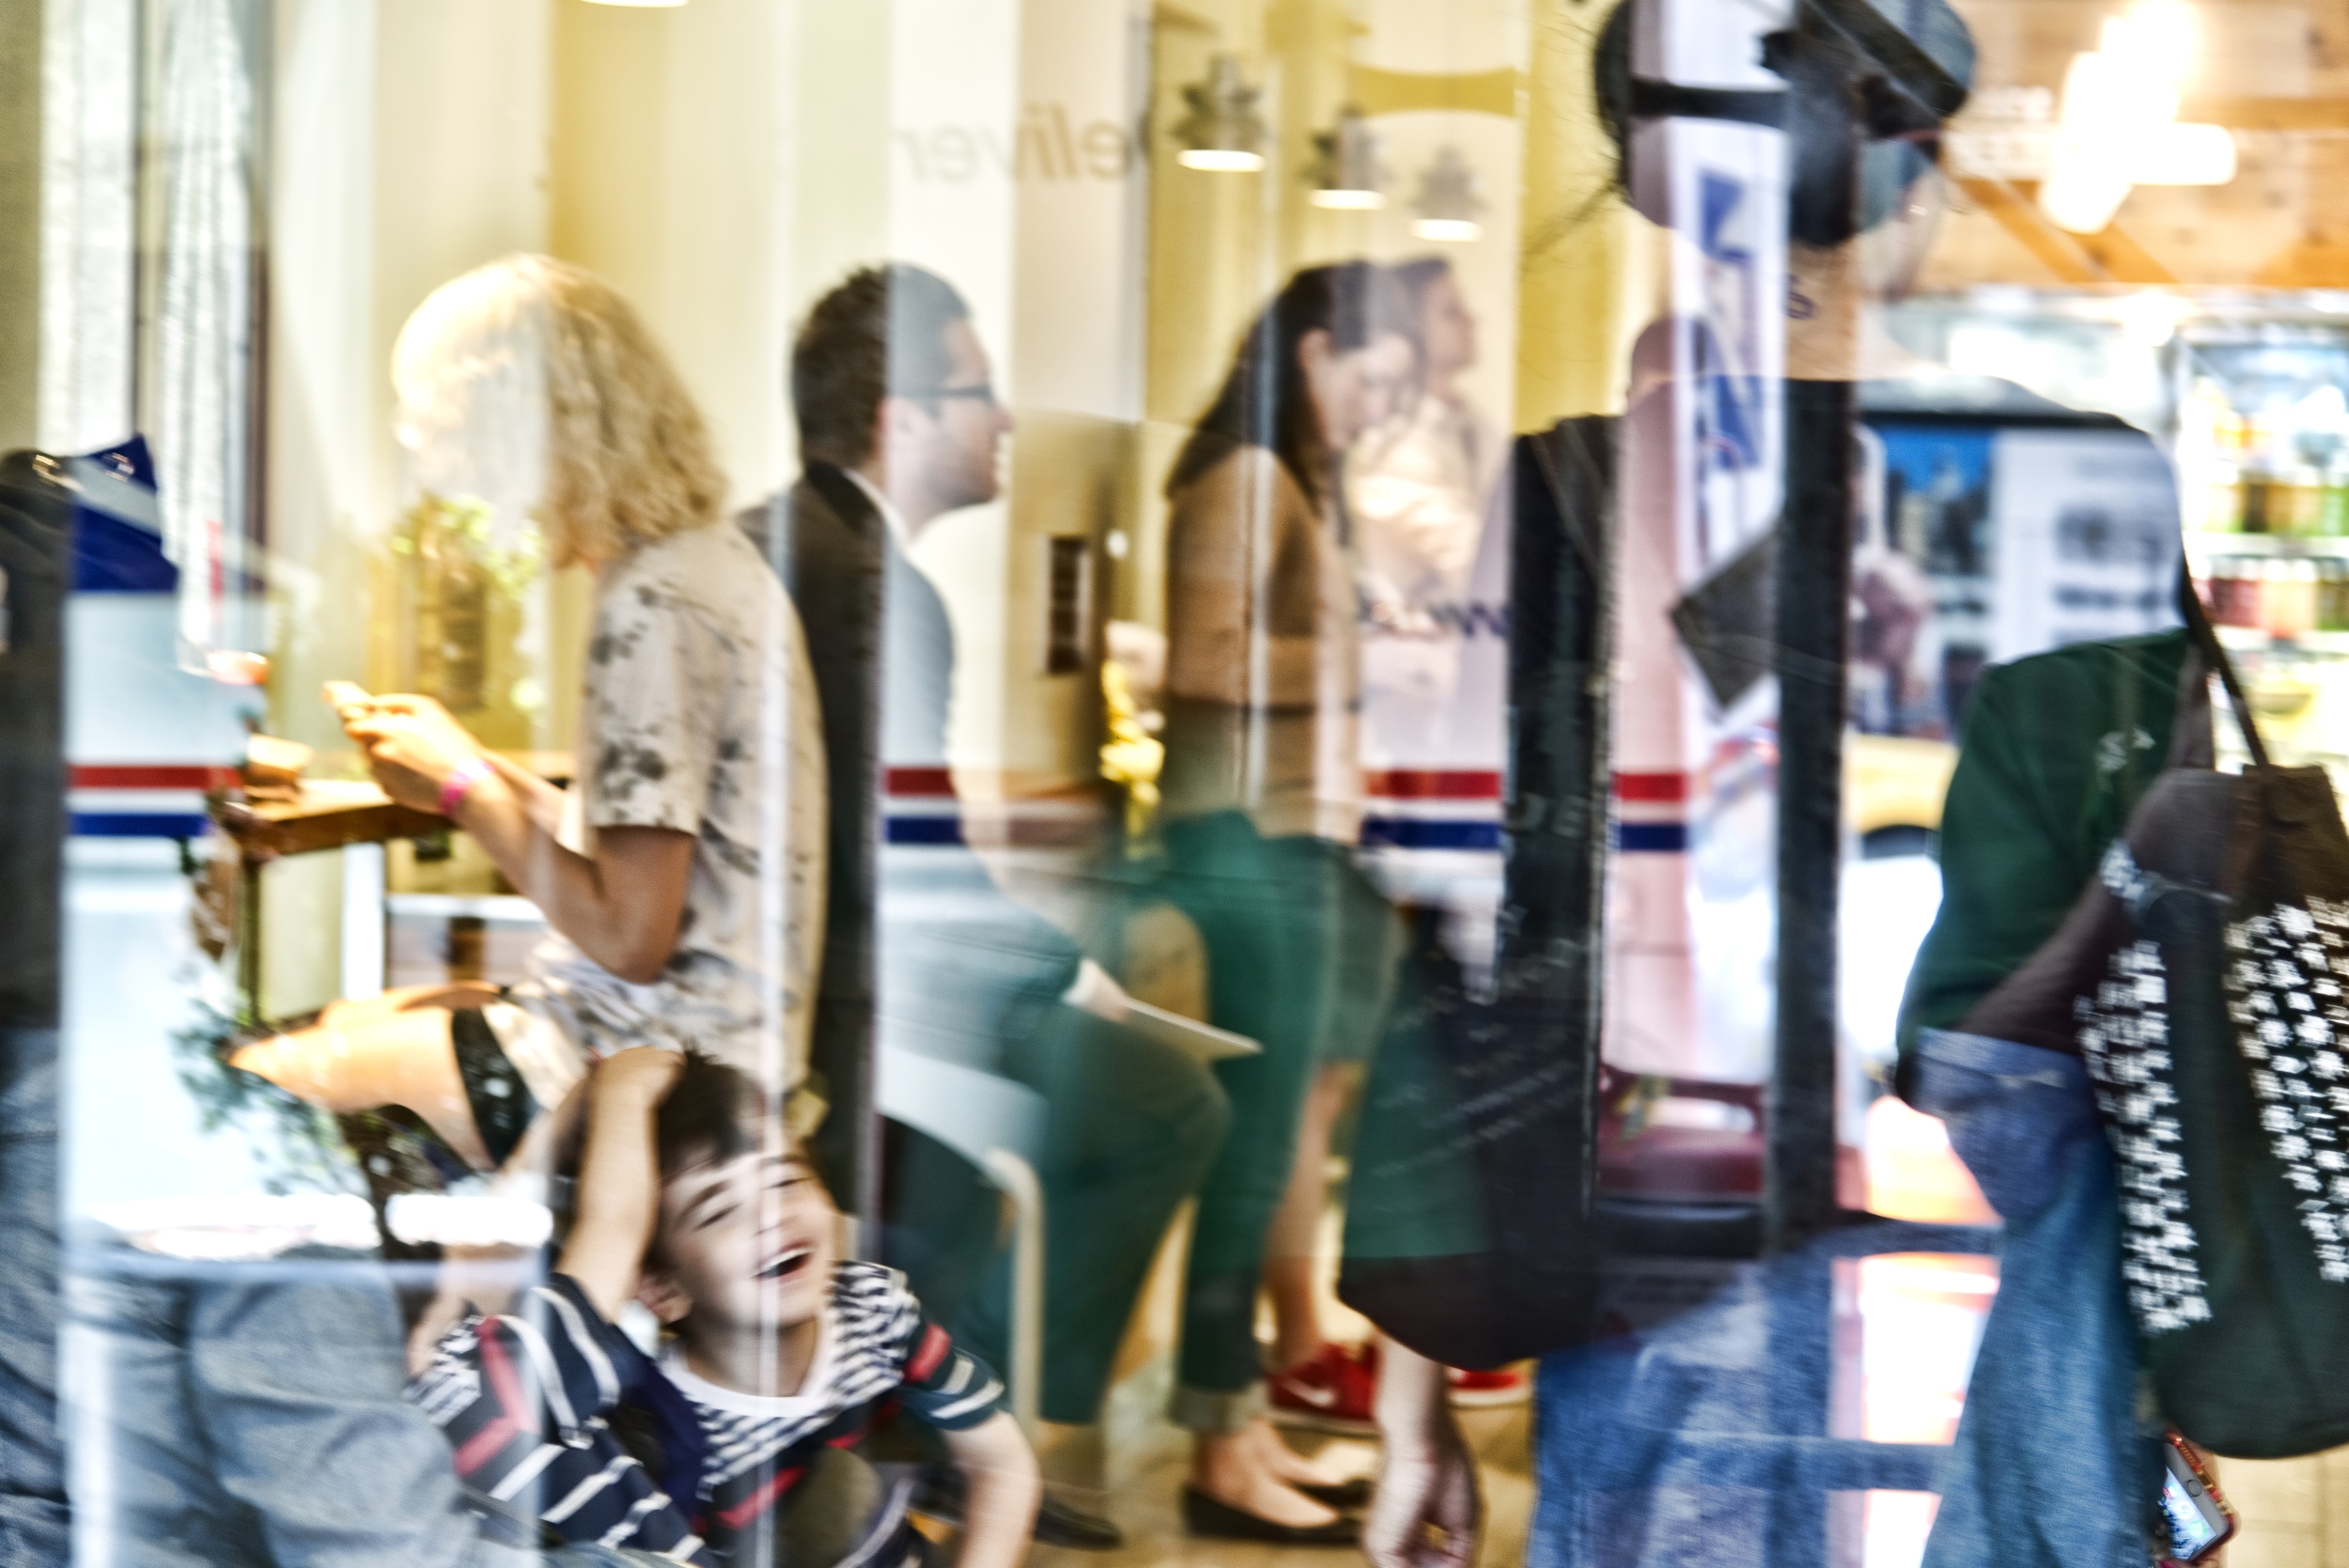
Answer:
(2205, 639)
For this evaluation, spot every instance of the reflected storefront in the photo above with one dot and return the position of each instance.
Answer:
(970, 777)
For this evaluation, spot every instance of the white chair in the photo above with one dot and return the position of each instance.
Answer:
(997, 1126)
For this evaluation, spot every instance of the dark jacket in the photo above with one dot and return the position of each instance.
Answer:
(809, 544)
(960, 966)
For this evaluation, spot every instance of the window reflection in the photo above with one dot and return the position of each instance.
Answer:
(1346, 716)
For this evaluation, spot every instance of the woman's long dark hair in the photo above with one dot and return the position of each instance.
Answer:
(1265, 401)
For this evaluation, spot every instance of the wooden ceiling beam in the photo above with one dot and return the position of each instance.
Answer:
(2268, 114)
(2108, 256)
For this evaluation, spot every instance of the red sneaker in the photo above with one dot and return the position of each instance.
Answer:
(1331, 1392)
(1475, 1390)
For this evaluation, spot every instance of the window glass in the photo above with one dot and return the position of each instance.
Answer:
(818, 777)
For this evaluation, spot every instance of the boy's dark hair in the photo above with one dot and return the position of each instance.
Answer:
(712, 1113)
(709, 1114)
(880, 333)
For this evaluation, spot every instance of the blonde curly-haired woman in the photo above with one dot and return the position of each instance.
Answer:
(683, 873)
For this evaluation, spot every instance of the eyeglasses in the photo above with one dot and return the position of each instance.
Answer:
(983, 393)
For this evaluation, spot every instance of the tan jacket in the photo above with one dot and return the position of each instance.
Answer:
(1263, 681)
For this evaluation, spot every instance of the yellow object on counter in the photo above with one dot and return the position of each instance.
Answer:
(1892, 781)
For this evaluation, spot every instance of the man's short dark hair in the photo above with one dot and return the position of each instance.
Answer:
(880, 333)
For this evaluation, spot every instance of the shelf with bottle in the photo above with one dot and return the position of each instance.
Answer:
(2301, 503)
(2262, 439)
(2250, 639)
(2300, 687)
(2203, 544)
(2255, 601)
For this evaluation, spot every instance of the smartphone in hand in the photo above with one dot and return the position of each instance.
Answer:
(2193, 1520)
(345, 696)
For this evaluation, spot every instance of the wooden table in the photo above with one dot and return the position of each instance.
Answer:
(325, 814)
(329, 814)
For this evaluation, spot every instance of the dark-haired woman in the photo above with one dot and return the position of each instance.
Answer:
(1262, 788)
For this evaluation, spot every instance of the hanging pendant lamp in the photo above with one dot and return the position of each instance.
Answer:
(1448, 204)
(1346, 174)
(1224, 133)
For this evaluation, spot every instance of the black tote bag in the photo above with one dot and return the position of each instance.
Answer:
(1469, 1210)
(2205, 979)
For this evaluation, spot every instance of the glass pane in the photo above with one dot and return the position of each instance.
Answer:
(806, 770)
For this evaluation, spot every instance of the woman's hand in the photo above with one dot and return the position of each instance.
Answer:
(411, 746)
(1427, 1513)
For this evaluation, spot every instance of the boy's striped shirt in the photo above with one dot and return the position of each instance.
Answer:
(523, 1399)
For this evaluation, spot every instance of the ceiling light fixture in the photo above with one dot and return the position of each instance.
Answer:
(2118, 125)
(1448, 203)
(1224, 132)
(1346, 174)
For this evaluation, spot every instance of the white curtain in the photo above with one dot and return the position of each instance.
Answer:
(200, 411)
(89, 126)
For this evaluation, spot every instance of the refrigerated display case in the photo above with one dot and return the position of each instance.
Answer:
(2262, 439)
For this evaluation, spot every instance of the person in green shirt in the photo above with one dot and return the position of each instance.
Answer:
(2058, 749)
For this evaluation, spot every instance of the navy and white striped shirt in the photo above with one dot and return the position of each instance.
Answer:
(523, 1399)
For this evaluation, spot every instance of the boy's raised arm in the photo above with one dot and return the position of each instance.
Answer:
(999, 1471)
(619, 1176)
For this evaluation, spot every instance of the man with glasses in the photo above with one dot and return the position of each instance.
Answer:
(900, 425)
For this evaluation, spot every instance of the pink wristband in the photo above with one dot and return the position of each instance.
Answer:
(461, 781)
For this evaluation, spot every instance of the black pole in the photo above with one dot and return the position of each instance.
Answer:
(1551, 959)
(1814, 546)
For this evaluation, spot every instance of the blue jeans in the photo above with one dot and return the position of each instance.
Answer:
(250, 1414)
(33, 1516)
(2049, 1469)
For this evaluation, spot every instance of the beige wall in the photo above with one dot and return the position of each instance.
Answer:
(723, 162)
(1591, 265)
(19, 236)
(1075, 353)
(410, 147)
(685, 144)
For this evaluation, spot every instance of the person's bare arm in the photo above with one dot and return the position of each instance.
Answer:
(486, 1278)
(1427, 1513)
(999, 1471)
(619, 1176)
(622, 907)
(540, 800)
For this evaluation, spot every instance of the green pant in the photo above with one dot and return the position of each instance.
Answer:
(1129, 1126)
(1299, 957)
